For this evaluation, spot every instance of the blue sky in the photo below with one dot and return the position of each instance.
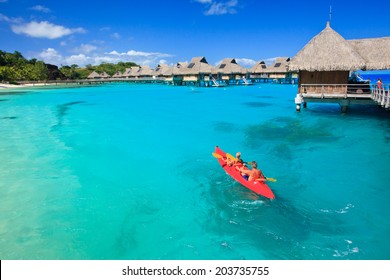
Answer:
(150, 32)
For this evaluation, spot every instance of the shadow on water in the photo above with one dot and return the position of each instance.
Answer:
(2, 100)
(62, 110)
(9, 118)
(130, 232)
(354, 111)
(225, 127)
(257, 104)
(288, 130)
(266, 97)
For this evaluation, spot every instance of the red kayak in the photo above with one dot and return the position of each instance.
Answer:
(258, 187)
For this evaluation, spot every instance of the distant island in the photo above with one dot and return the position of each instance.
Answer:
(14, 67)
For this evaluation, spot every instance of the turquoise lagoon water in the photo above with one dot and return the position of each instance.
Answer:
(125, 171)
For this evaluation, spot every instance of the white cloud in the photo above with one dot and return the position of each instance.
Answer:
(116, 35)
(44, 29)
(219, 8)
(40, 8)
(10, 20)
(52, 56)
(246, 62)
(204, 1)
(85, 48)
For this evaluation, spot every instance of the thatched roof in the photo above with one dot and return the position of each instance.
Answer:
(327, 51)
(177, 69)
(375, 52)
(160, 70)
(279, 66)
(104, 75)
(259, 67)
(94, 75)
(145, 71)
(196, 66)
(117, 75)
(229, 66)
(134, 71)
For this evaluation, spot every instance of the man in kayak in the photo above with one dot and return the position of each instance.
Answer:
(252, 174)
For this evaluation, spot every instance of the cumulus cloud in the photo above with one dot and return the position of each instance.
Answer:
(52, 56)
(219, 8)
(85, 48)
(44, 29)
(40, 8)
(246, 62)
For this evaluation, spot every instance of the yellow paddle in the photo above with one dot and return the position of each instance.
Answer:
(216, 155)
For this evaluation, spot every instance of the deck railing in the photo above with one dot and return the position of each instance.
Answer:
(381, 95)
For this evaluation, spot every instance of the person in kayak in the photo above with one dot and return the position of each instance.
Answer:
(236, 161)
(252, 174)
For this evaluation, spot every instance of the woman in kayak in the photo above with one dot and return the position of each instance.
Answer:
(235, 161)
(253, 174)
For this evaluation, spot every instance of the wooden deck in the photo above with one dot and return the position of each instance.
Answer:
(343, 94)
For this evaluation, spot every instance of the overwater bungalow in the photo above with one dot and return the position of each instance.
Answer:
(127, 73)
(104, 75)
(197, 72)
(278, 71)
(173, 74)
(117, 75)
(325, 63)
(259, 71)
(94, 75)
(144, 72)
(161, 70)
(229, 71)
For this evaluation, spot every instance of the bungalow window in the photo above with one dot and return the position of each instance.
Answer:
(277, 64)
(222, 66)
(191, 65)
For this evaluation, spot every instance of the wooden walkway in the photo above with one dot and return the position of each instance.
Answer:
(343, 94)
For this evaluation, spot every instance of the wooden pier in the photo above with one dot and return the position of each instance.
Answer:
(343, 94)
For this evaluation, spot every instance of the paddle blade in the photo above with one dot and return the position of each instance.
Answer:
(216, 155)
(229, 156)
(271, 179)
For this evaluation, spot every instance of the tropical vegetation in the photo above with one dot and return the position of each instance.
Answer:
(14, 67)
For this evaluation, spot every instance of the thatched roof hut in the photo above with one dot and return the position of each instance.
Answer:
(327, 51)
(134, 71)
(229, 66)
(104, 75)
(127, 72)
(279, 66)
(259, 68)
(375, 52)
(144, 71)
(117, 75)
(160, 70)
(94, 75)
(198, 65)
